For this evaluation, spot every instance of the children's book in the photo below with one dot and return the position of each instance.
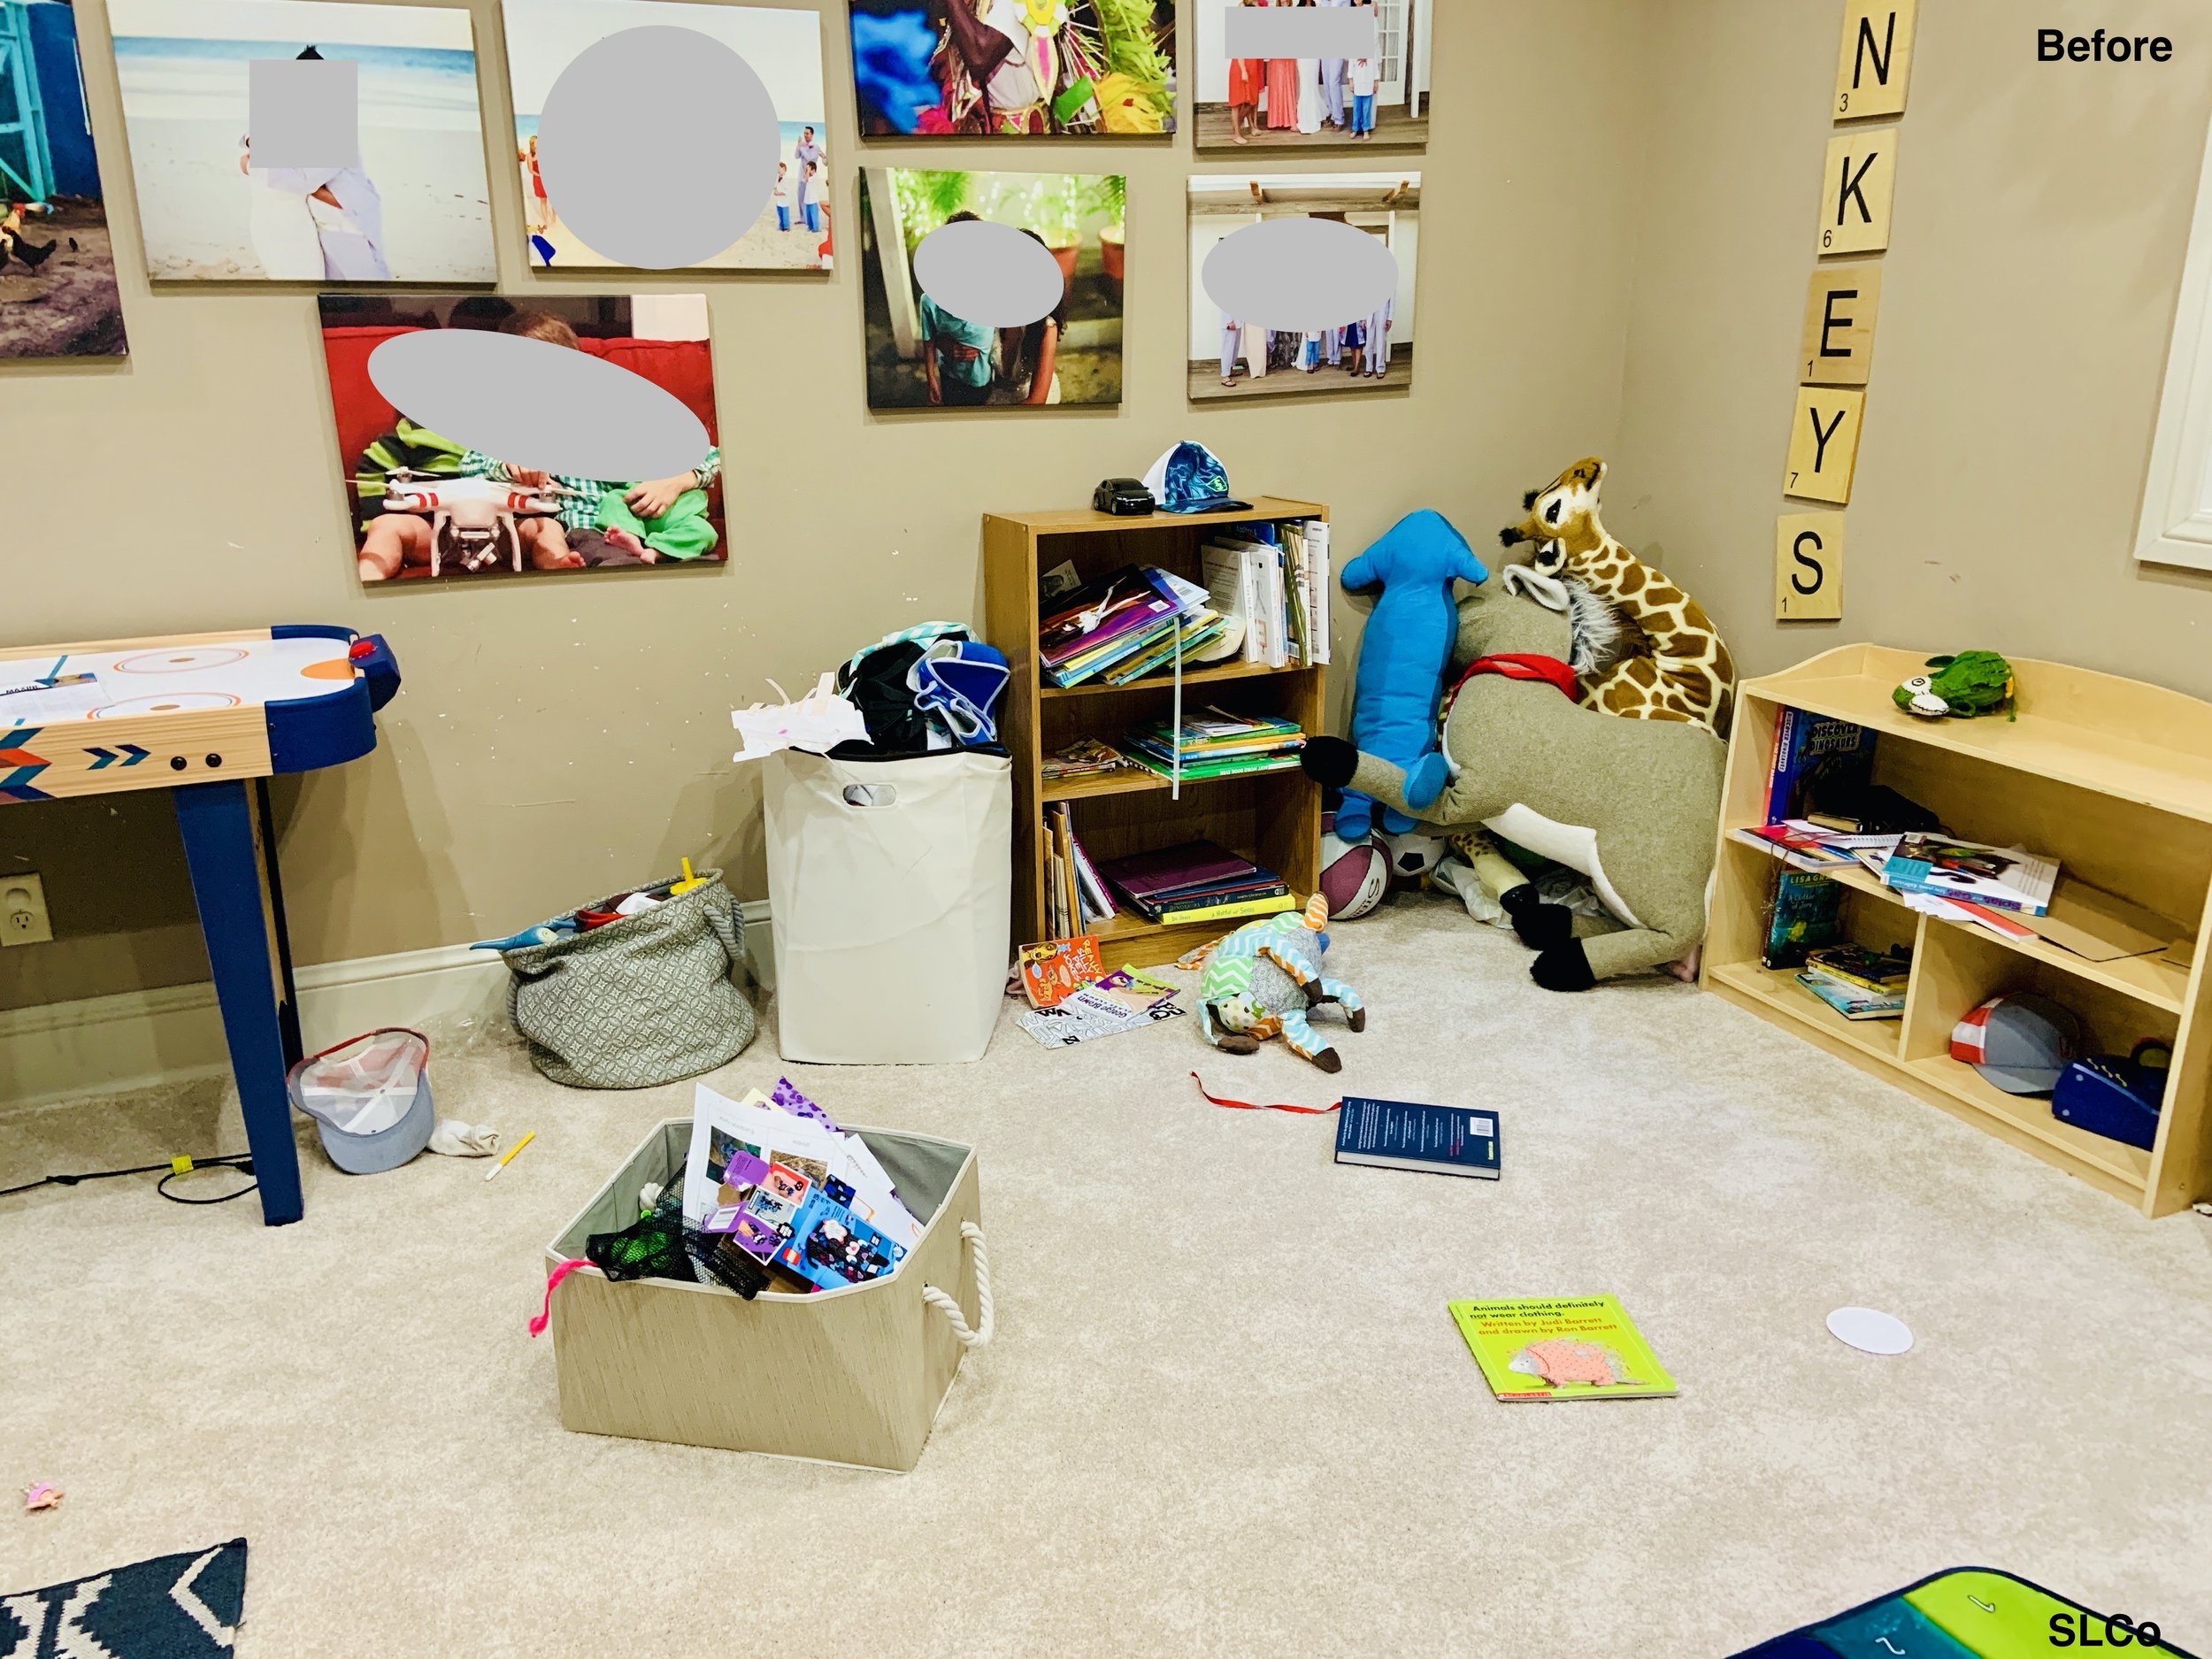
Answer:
(829, 1247)
(2002, 878)
(1053, 971)
(1854, 1001)
(1090, 1014)
(1392, 1135)
(1816, 756)
(1856, 964)
(1803, 918)
(1569, 1347)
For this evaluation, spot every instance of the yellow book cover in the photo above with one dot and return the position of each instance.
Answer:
(1565, 1348)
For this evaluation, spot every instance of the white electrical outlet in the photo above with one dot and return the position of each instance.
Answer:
(23, 919)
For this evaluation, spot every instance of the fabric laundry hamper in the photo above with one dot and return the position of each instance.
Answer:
(890, 890)
(645, 999)
(849, 1375)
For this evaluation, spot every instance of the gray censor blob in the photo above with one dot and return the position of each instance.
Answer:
(992, 275)
(533, 403)
(658, 147)
(303, 113)
(1296, 275)
(1299, 32)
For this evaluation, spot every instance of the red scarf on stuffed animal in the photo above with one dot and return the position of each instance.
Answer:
(1516, 666)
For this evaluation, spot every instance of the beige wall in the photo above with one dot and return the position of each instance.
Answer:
(2041, 215)
(558, 739)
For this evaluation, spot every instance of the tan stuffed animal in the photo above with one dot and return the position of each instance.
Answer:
(1632, 804)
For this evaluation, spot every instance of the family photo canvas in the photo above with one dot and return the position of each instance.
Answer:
(1014, 68)
(921, 356)
(1261, 80)
(1234, 355)
(413, 206)
(782, 46)
(58, 293)
(426, 506)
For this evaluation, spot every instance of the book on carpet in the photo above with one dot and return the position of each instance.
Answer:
(1056, 969)
(1103, 1010)
(1803, 914)
(1856, 964)
(1815, 755)
(1392, 1135)
(1942, 867)
(1570, 1348)
(1854, 1002)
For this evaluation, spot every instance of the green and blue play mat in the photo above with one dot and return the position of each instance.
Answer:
(1969, 1613)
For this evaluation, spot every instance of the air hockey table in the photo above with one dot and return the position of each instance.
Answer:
(210, 717)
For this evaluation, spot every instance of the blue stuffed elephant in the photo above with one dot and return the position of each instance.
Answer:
(1404, 651)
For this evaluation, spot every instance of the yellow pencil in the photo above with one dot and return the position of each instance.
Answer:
(510, 1153)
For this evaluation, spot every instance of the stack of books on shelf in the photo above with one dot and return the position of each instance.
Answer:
(1216, 744)
(1076, 896)
(1198, 881)
(1275, 590)
(1859, 983)
(1945, 877)
(1123, 627)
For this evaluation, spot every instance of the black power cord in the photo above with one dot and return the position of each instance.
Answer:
(170, 1170)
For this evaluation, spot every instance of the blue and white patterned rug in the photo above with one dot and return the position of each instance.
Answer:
(175, 1607)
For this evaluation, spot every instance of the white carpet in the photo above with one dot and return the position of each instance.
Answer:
(1226, 1412)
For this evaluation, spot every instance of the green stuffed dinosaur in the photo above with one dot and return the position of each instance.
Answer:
(1972, 683)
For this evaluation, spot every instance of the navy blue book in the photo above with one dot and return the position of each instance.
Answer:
(1397, 1135)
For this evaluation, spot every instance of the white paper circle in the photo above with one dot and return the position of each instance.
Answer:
(992, 275)
(658, 146)
(532, 404)
(1869, 1331)
(1298, 275)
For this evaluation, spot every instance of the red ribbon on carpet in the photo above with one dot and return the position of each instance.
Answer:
(1262, 1106)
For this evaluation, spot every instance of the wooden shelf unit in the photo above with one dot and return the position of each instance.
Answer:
(2112, 778)
(1273, 819)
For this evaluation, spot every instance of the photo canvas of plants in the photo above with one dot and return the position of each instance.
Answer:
(1014, 68)
(920, 356)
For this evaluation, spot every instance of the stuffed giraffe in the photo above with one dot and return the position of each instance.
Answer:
(1688, 674)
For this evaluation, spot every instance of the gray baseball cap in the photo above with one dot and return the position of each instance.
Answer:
(2019, 1043)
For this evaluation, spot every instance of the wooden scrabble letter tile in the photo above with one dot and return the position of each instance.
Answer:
(1877, 61)
(1857, 191)
(1824, 444)
(1808, 567)
(1838, 344)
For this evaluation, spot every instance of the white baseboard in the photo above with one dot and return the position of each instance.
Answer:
(110, 1045)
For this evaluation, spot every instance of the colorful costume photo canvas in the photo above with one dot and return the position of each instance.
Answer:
(406, 202)
(782, 46)
(1235, 352)
(1014, 68)
(921, 354)
(1312, 74)
(58, 295)
(424, 505)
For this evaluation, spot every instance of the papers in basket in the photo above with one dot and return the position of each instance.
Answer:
(731, 1183)
(818, 721)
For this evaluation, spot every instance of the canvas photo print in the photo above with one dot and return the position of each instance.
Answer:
(411, 205)
(58, 294)
(921, 354)
(1014, 68)
(424, 506)
(1233, 351)
(782, 46)
(1300, 74)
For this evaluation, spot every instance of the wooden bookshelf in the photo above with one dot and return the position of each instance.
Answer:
(1273, 819)
(2111, 777)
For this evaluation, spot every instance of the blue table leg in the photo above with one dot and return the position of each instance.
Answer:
(217, 820)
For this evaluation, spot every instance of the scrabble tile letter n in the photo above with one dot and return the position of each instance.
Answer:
(1823, 444)
(1876, 59)
(1808, 567)
(1855, 192)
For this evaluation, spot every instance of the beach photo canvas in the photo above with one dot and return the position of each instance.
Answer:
(424, 506)
(1014, 68)
(414, 207)
(921, 356)
(1231, 357)
(782, 46)
(1326, 101)
(58, 294)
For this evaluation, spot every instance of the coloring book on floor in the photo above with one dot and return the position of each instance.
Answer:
(1565, 1348)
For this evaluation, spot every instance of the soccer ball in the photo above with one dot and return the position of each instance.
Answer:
(1353, 879)
(1413, 855)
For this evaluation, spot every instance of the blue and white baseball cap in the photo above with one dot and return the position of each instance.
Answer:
(1189, 478)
